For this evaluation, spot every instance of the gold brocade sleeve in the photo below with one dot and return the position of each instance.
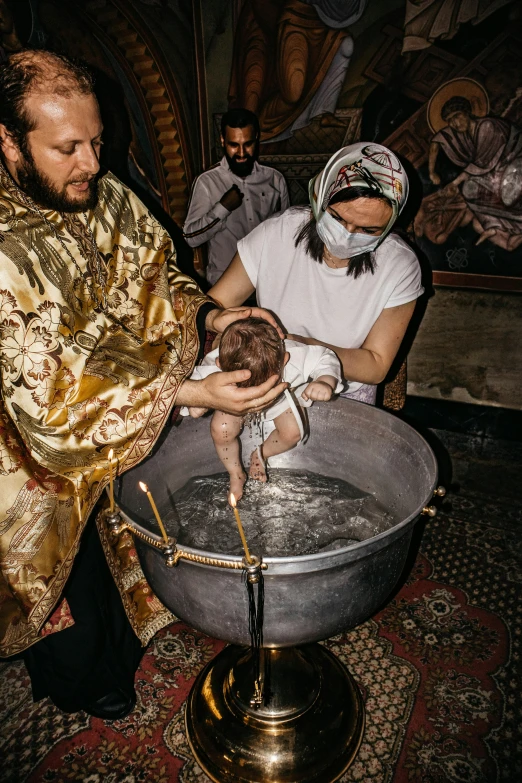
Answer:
(79, 379)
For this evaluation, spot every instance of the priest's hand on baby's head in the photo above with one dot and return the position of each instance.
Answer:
(218, 320)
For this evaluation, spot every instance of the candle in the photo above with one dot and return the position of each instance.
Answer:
(111, 481)
(233, 503)
(145, 489)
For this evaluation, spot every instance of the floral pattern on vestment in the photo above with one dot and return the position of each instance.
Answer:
(78, 380)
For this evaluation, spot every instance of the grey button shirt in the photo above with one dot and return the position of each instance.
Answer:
(264, 193)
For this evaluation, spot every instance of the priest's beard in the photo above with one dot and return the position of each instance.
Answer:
(41, 190)
(243, 169)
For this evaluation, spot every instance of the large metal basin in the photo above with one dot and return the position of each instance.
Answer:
(307, 598)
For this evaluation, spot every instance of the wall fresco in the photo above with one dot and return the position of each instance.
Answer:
(325, 73)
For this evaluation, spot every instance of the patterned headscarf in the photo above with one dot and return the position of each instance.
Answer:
(361, 165)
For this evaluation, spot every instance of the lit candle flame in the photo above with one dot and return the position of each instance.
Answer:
(145, 489)
(233, 501)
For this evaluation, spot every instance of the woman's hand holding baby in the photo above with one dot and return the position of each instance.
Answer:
(321, 389)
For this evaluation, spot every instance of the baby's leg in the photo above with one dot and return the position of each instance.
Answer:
(225, 429)
(285, 436)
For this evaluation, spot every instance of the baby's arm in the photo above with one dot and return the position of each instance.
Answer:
(196, 413)
(320, 389)
(323, 366)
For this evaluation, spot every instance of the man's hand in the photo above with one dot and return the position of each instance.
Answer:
(232, 199)
(218, 320)
(220, 391)
(320, 389)
(434, 178)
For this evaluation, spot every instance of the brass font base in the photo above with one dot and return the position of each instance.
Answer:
(307, 729)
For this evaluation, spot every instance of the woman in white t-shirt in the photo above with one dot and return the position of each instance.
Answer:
(334, 274)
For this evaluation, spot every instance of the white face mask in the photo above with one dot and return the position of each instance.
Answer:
(342, 243)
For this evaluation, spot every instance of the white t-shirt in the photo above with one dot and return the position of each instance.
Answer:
(313, 300)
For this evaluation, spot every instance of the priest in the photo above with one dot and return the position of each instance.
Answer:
(99, 333)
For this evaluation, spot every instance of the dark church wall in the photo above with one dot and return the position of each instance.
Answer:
(143, 55)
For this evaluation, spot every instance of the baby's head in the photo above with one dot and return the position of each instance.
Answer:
(252, 344)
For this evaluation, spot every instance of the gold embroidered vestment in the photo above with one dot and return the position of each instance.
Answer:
(77, 380)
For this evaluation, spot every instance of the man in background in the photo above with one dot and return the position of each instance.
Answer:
(235, 195)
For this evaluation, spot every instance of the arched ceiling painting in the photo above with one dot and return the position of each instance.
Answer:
(116, 25)
(144, 115)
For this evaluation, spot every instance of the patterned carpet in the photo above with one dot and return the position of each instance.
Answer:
(439, 668)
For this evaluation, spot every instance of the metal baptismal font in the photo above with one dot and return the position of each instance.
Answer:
(328, 538)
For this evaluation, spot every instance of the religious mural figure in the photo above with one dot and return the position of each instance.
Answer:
(290, 60)
(488, 191)
(426, 21)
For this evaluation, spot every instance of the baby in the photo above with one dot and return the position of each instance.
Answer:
(312, 371)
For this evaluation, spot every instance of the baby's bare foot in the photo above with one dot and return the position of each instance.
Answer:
(237, 482)
(257, 467)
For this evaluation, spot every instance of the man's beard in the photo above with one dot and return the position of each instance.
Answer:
(41, 190)
(241, 169)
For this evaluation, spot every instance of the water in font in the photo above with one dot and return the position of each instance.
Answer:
(295, 513)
